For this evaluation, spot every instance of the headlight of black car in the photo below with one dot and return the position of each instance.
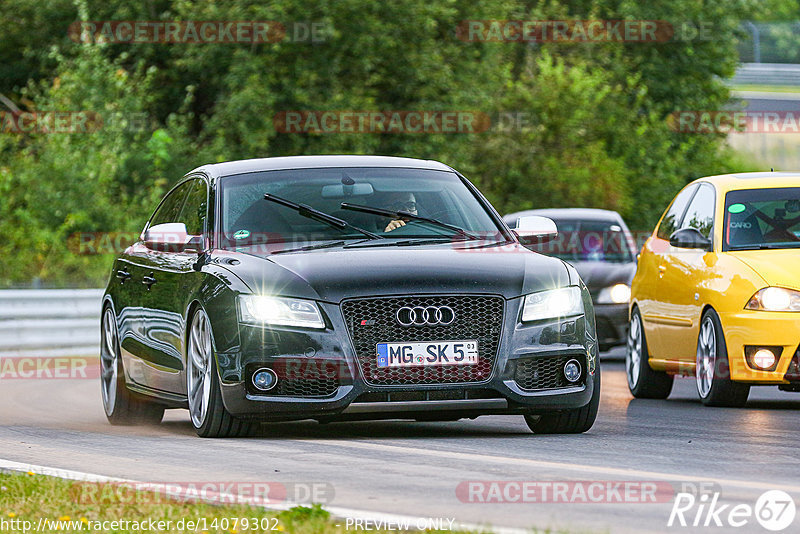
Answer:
(282, 311)
(552, 304)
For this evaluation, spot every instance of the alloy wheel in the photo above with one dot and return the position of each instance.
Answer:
(633, 354)
(198, 368)
(706, 357)
(108, 362)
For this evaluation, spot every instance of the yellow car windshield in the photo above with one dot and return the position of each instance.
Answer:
(762, 219)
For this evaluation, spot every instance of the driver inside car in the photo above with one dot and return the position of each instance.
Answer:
(400, 202)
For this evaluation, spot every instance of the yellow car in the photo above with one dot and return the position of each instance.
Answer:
(717, 291)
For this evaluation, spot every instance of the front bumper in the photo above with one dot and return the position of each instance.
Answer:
(328, 354)
(612, 324)
(760, 328)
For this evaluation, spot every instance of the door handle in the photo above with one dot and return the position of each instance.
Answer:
(149, 281)
(661, 270)
(123, 275)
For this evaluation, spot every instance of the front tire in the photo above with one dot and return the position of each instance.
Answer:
(643, 381)
(575, 421)
(714, 384)
(209, 416)
(122, 407)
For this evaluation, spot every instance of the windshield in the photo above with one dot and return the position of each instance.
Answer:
(581, 240)
(762, 218)
(247, 218)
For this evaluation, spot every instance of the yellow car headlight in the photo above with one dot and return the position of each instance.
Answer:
(775, 299)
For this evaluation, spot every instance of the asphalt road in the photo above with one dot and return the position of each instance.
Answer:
(415, 468)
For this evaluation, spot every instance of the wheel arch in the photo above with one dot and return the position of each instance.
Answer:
(191, 310)
(707, 307)
(108, 302)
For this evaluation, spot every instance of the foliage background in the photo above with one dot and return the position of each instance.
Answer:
(595, 135)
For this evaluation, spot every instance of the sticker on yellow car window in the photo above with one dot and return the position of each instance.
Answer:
(736, 208)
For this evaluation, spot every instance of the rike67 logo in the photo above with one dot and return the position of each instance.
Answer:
(774, 510)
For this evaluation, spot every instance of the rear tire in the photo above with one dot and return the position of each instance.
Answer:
(209, 416)
(122, 406)
(713, 376)
(643, 381)
(574, 421)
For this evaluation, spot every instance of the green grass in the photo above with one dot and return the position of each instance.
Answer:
(767, 88)
(31, 497)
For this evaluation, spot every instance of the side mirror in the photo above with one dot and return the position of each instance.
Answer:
(534, 229)
(172, 237)
(689, 238)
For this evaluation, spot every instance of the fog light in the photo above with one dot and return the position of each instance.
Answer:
(764, 358)
(265, 379)
(572, 371)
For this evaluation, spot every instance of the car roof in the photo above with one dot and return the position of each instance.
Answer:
(589, 214)
(219, 170)
(753, 180)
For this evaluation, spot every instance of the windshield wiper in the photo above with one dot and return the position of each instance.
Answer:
(329, 244)
(312, 213)
(407, 242)
(407, 215)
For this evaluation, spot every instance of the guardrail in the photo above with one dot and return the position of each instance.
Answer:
(50, 322)
(767, 74)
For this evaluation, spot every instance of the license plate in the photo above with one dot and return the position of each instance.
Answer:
(427, 353)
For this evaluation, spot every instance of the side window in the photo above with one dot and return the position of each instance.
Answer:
(194, 210)
(170, 208)
(700, 214)
(672, 218)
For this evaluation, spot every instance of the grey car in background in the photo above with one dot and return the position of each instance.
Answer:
(600, 247)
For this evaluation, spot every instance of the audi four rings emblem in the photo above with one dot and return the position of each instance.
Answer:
(426, 315)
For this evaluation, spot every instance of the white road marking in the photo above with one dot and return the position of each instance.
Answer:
(581, 468)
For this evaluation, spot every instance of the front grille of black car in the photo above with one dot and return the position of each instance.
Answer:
(547, 372)
(373, 320)
(304, 387)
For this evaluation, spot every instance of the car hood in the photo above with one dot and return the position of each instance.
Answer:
(332, 275)
(599, 274)
(776, 267)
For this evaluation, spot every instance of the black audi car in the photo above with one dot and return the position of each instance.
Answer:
(599, 245)
(343, 287)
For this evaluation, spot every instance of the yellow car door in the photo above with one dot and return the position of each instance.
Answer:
(655, 290)
(688, 270)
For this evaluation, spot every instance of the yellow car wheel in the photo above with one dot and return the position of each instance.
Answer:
(643, 381)
(714, 384)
